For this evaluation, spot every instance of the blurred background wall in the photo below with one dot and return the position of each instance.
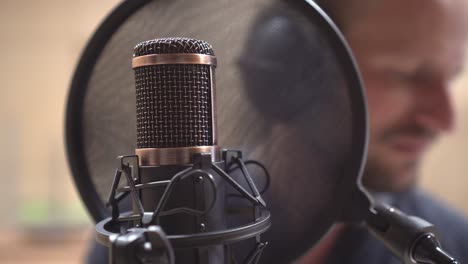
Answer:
(42, 217)
(41, 43)
(445, 170)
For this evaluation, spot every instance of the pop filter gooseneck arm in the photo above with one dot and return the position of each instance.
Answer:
(412, 239)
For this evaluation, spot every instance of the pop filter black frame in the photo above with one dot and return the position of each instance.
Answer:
(94, 48)
(74, 141)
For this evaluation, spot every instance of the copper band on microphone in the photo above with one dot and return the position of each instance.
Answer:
(176, 58)
(174, 156)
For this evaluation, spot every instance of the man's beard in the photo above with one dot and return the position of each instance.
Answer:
(378, 178)
(380, 175)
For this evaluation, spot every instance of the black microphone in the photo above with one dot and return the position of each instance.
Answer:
(174, 81)
(178, 179)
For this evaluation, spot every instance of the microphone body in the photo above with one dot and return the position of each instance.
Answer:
(176, 119)
(190, 193)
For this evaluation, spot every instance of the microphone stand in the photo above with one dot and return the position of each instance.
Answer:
(412, 239)
(133, 237)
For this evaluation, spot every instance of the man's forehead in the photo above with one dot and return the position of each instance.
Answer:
(353, 9)
(408, 17)
(423, 30)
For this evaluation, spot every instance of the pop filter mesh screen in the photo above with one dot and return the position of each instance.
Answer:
(283, 98)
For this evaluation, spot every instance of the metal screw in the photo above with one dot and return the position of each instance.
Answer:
(199, 179)
(202, 226)
(147, 246)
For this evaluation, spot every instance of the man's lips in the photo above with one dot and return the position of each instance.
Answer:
(410, 145)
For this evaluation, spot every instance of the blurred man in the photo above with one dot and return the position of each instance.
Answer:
(408, 53)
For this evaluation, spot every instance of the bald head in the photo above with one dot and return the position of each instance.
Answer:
(350, 13)
(408, 52)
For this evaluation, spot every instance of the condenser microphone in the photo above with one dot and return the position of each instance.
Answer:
(174, 81)
(178, 180)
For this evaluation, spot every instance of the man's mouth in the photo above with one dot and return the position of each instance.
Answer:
(412, 146)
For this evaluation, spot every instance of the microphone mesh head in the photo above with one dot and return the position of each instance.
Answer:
(174, 101)
(173, 45)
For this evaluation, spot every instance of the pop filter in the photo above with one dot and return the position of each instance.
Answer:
(288, 95)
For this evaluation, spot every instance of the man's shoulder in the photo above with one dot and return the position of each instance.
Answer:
(452, 225)
(424, 205)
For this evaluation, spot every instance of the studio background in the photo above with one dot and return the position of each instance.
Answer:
(43, 219)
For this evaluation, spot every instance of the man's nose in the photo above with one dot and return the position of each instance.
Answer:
(434, 109)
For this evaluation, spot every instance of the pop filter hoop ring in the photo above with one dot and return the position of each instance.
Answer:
(74, 110)
(74, 141)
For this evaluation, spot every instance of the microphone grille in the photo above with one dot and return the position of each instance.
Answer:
(174, 101)
(173, 45)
